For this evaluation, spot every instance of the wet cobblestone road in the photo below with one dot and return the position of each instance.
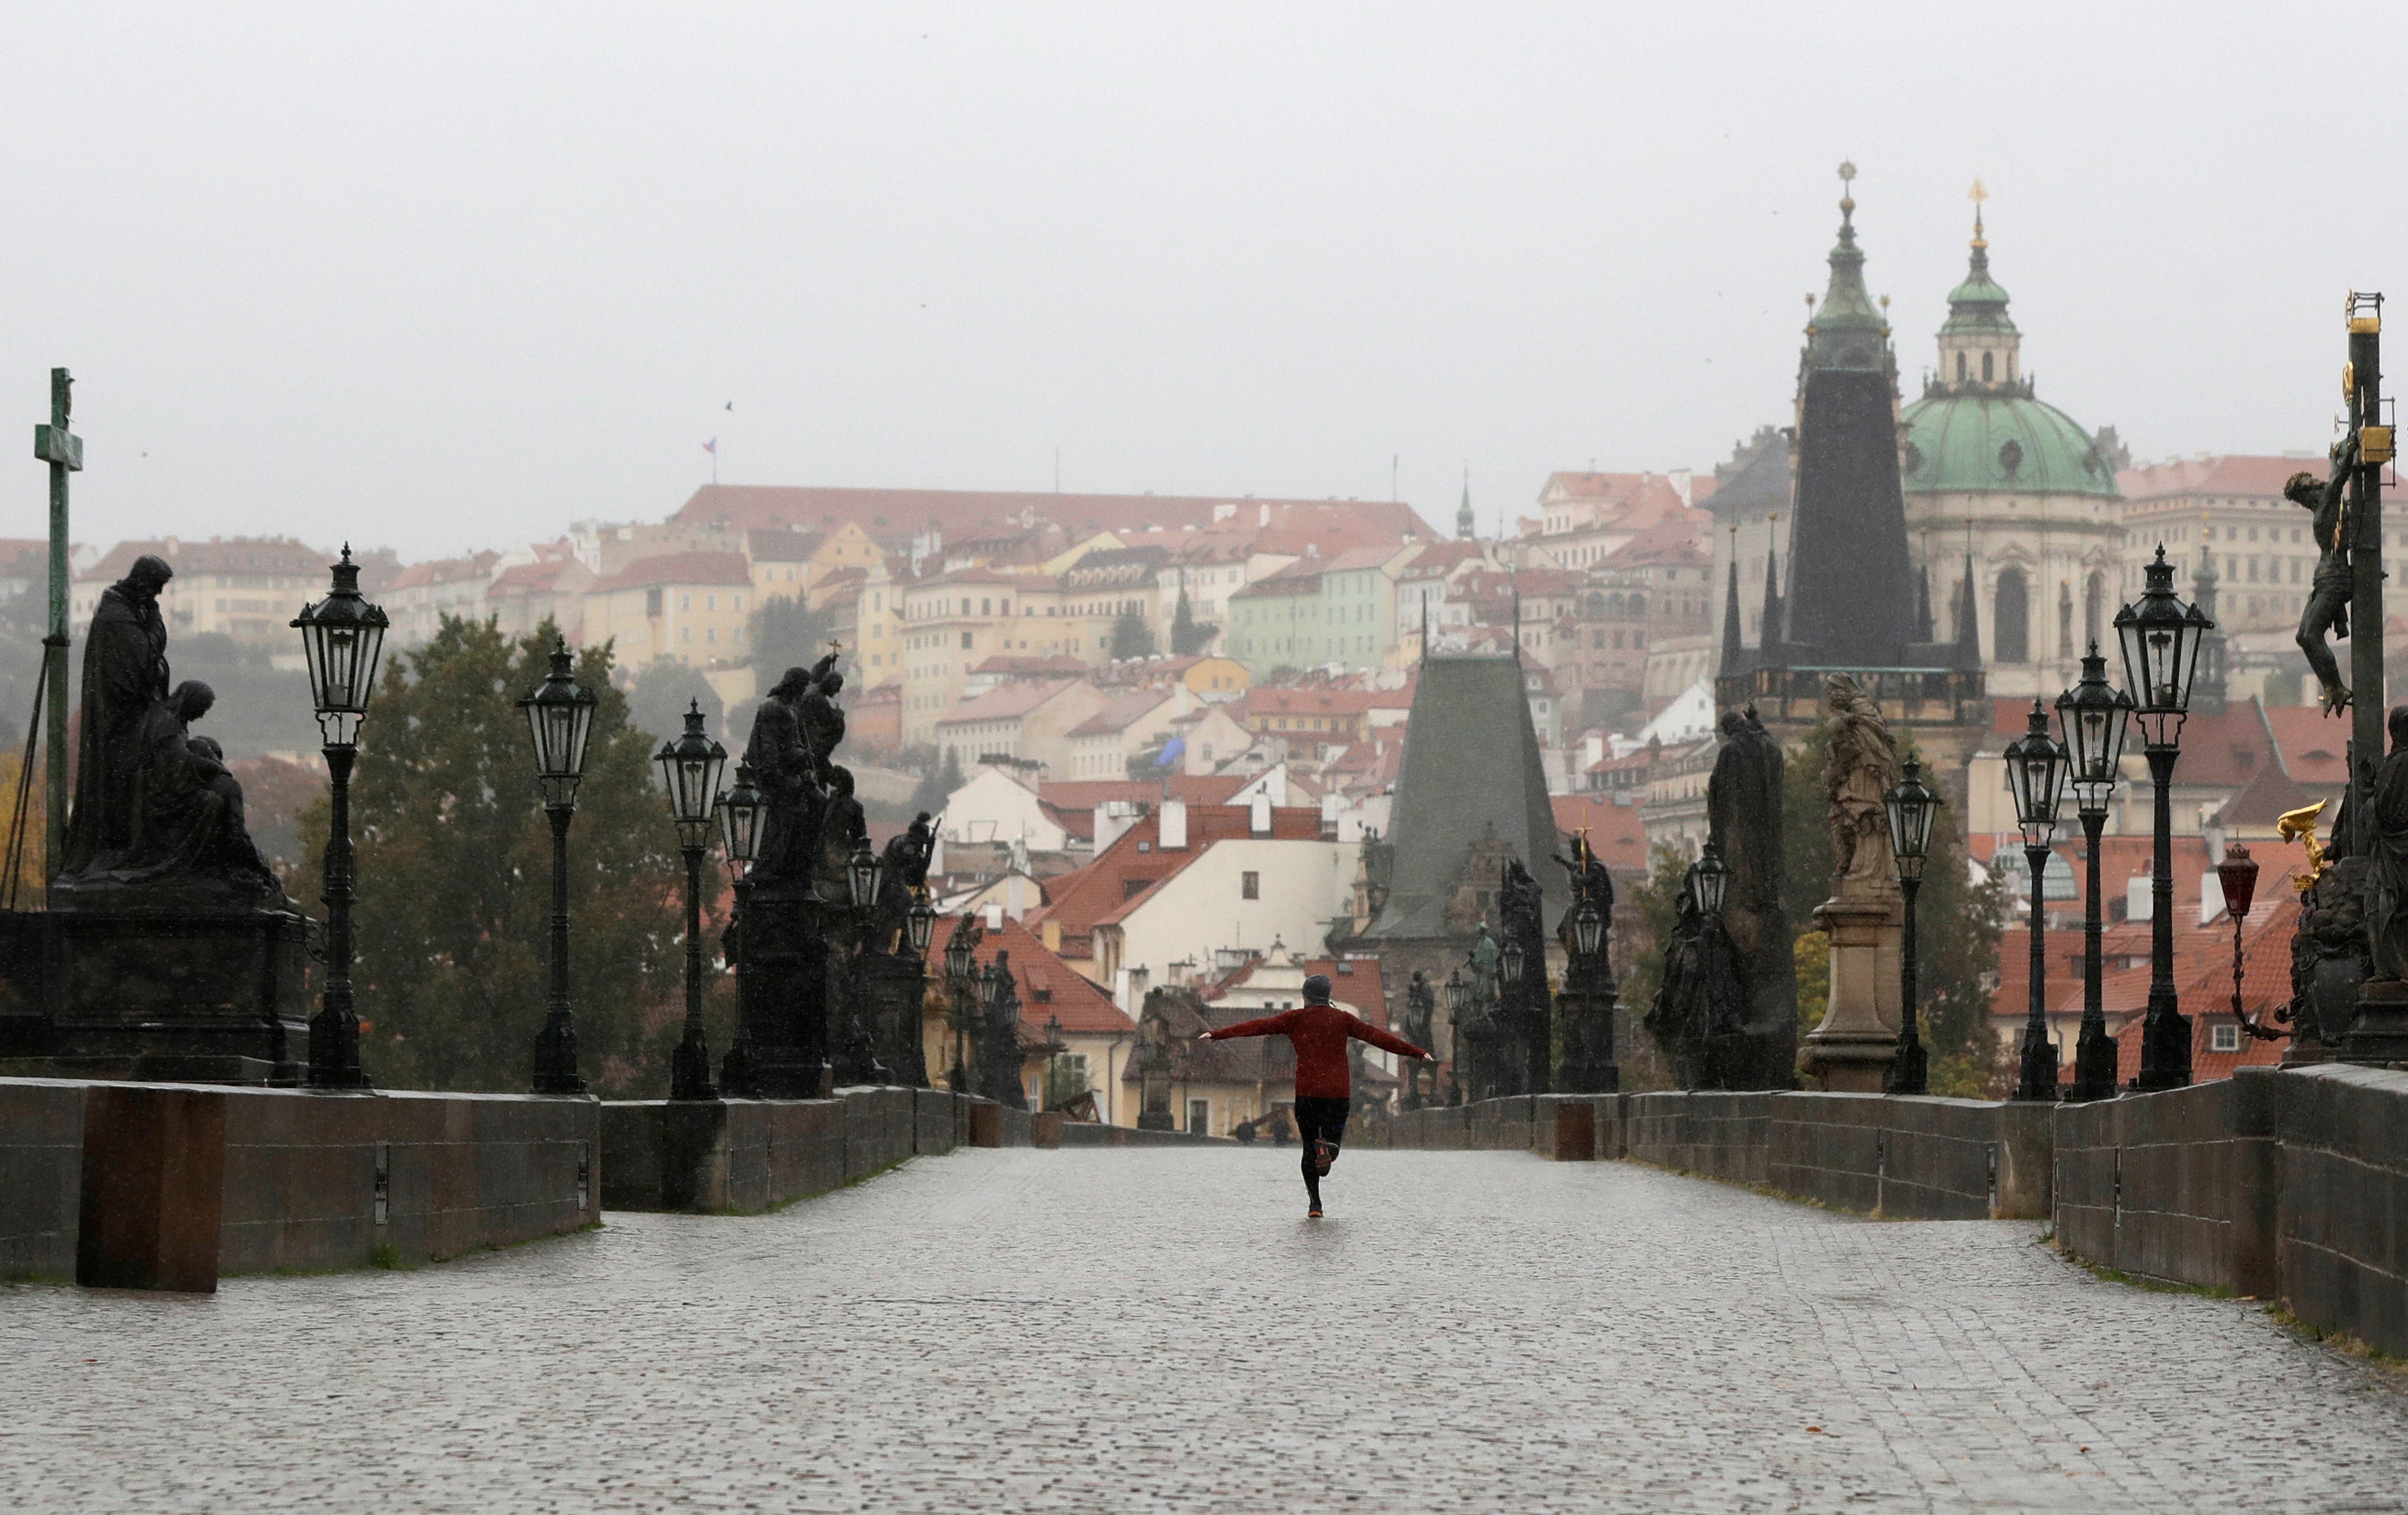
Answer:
(1108, 1331)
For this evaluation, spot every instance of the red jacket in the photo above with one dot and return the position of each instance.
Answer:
(1319, 1033)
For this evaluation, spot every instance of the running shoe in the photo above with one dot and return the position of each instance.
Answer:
(1324, 1154)
(1313, 1214)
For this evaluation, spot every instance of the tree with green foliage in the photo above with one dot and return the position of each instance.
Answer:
(786, 633)
(1132, 636)
(1188, 636)
(454, 871)
(663, 689)
(938, 783)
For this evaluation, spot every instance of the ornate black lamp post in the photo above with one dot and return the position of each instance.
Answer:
(2036, 767)
(2093, 716)
(740, 810)
(342, 637)
(2161, 637)
(856, 1018)
(560, 717)
(1458, 995)
(960, 963)
(1708, 880)
(2238, 873)
(1911, 805)
(1000, 999)
(690, 768)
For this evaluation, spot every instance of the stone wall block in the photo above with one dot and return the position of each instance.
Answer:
(41, 1162)
(153, 1173)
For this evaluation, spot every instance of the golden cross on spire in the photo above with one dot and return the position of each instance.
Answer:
(1977, 194)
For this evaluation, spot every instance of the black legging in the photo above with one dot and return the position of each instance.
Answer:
(1318, 1121)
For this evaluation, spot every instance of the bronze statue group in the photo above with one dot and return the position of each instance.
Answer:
(156, 806)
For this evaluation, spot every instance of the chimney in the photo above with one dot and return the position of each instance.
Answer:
(1174, 825)
(1263, 516)
(1329, 803)
(1050, 932)
(1258, 820)
(1679, 479)
(2137, 900)
(994, 913)
(1113, 818)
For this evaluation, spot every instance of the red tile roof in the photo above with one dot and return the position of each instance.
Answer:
(1124, 711)
(2228, 474)
(679, 568)
(894, 513)
(231, 554)
(2313, 743)
(1048, 987)
(1614, 830)
(1135, 862)
(1006, 702)
(526, 578)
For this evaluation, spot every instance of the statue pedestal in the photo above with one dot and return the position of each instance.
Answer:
(1851, 1051)
(2378, 1033)
(782, 997)
(167, 996)
(1586, 1012)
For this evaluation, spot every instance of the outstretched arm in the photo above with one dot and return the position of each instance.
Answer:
(1363, 1031)
(1268, 1026)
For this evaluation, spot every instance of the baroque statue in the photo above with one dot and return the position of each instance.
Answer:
(2327, 606)
(1862, 767)
(1727, 1012)
(158, 818)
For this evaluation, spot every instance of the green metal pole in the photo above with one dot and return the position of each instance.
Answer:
(63, 451)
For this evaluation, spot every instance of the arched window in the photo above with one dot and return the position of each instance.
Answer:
(2011, 618)
(2064, 618)
(1985, 368)
(2094, 608)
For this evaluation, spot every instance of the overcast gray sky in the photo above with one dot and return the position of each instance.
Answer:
(451, 275)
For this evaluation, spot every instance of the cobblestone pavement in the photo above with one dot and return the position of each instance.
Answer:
(1109, 1330)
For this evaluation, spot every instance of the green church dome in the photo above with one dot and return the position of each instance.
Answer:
(2007, 442)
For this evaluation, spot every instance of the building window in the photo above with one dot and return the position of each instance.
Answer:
(1200, 1117)
(2011, 619)
(1250, 885)
(685, 602)
(2224, 1038)
(965, 641)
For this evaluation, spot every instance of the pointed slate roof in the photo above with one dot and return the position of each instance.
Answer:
(1471, 762)
(1852, 601)
(1845, 330)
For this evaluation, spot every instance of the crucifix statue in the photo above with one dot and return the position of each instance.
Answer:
(63, 450)
(2327, 607)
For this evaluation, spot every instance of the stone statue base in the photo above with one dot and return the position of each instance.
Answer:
(782, 1001)
(891, 987)
(1587, 1013)
(158, 995)
(2378, 1033)
(1851, 1051)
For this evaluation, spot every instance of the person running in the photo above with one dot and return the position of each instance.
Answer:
(1319, 1031)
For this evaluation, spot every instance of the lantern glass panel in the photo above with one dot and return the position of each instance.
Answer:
(862, 871)
(1509, 958)
(1588, 929)
(957, 956)
(1711, 878)
(922, 925)
(989, 988)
